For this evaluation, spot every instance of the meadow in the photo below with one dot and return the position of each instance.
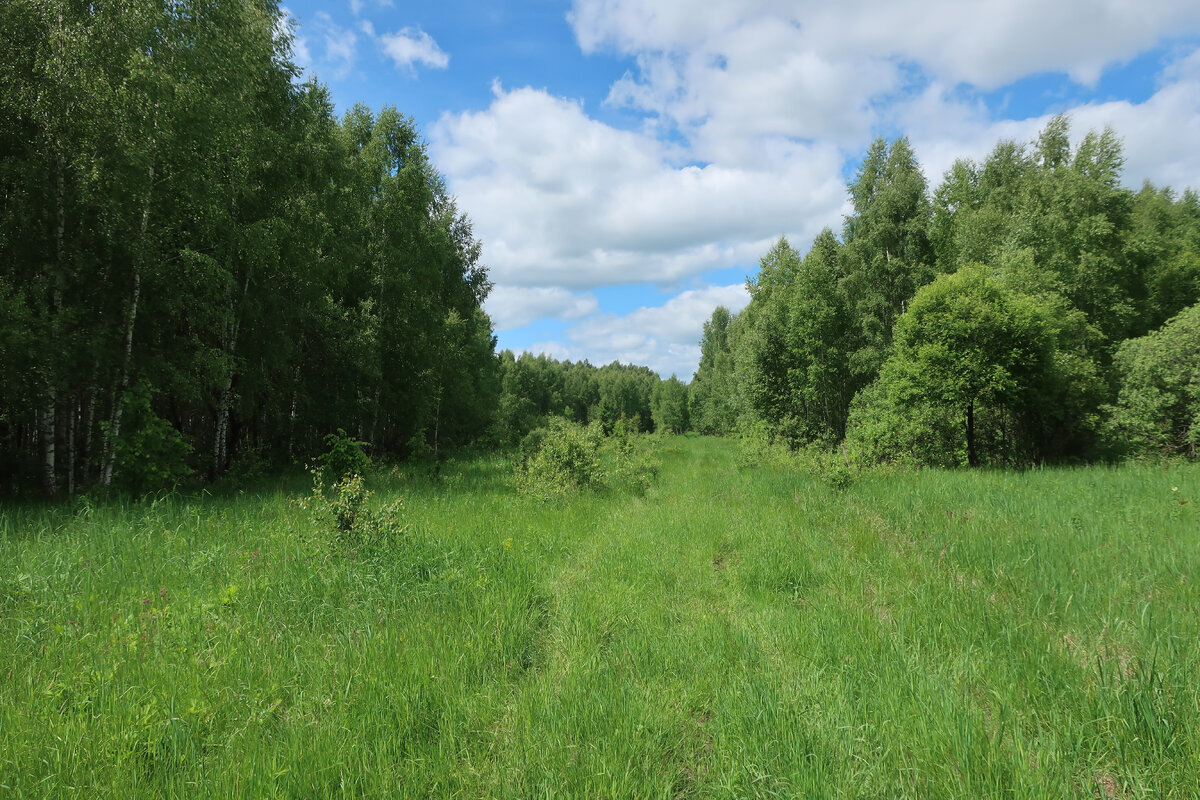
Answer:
(738, 631)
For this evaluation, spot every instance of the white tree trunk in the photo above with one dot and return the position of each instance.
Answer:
(114, 426)
(46, 425)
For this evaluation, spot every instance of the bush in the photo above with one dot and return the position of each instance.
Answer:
(631, 464)
(883, 431)
(346, 518)
(248, 466)
(150, 453)
(834, 468)
(757, 446)
(343, 458)
(562, 458)
(531, 444)
(1158, 407)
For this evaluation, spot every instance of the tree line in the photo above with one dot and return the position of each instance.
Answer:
(203, 268)
(201, 265)
(1029, 309)
(535, 388)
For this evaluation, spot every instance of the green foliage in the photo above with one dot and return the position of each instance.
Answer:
(535, 388)
(756, 444)
(793, 358)
(712, 395)
(967, 345)
(344, 457)
(759, 447)
(150, 453)
(531, 444)
(628, 460)
(345, 519)
(565, 458)
(883, 428)
(888, 254)
(623, 433)
(669, 406)
(1005, 364)
(1158, 406)
(268, 271)
(248, 467)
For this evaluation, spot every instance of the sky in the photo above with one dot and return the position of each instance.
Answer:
(626, 163)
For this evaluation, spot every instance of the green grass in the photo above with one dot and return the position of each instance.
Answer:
(734, 633)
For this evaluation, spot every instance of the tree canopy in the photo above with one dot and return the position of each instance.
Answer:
(199, 263)
(993, 320)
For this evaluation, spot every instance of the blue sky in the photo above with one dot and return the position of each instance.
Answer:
(627, 162)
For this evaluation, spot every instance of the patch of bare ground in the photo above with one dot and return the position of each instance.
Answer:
(1115, 657)
(1107, 787)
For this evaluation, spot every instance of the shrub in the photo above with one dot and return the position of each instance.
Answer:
(1158, 407)
(631, 465)
(563, 458)
(756, 444)
(531, 444)
(248, 466)
(347, 519)
(883, 430)
(634, 471)
(150, 453)
(343, 457)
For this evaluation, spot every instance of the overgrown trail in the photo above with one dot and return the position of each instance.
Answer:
(738, 632)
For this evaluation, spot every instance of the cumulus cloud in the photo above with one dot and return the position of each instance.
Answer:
(665, 338)
(332, 50)
(980, 42)
(1158, 134)
(515, 306)
(560, 198)
(409, 47)
(744, 69)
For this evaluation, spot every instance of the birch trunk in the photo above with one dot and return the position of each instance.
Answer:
(225, 401)
(114, 426)
(49, 414)
(71, 448)
(89, 420)
(46, 425)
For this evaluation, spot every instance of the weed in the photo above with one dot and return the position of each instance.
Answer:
(347, 517)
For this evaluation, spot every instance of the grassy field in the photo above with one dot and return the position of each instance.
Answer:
(737, 632)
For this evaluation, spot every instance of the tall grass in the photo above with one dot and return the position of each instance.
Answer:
(736, 632)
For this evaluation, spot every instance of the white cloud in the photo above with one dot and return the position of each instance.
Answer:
(1159, 134)
(665, 338)
(744, 69)
(356, 6)
(561, 199)
(981, 42)
(515, 307)
(339, 50)
(409, 47)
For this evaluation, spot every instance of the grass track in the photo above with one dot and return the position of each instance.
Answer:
(735, 633)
